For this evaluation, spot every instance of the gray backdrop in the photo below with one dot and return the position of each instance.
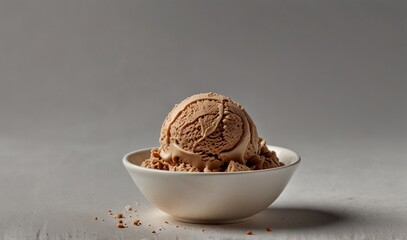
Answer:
(84, 82)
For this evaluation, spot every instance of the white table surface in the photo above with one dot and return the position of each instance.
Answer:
(55, 190)
(84, 82)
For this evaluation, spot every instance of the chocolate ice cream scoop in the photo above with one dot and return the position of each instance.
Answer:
(207, 131)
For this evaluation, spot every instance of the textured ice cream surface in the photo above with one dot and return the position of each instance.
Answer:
(210, 133)
(156, 162)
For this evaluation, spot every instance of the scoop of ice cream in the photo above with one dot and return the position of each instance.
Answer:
(207, 131)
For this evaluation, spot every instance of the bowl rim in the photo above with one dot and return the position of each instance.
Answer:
(132, 166)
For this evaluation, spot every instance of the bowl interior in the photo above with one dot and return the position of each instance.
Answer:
(285, 155)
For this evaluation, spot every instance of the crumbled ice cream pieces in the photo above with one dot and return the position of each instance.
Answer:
(236, 167)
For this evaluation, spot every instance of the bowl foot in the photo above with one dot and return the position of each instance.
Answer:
(210, 221)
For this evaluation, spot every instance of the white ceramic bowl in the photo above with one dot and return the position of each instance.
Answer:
(211, 197)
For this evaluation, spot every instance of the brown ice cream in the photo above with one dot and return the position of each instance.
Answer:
(210, 133)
